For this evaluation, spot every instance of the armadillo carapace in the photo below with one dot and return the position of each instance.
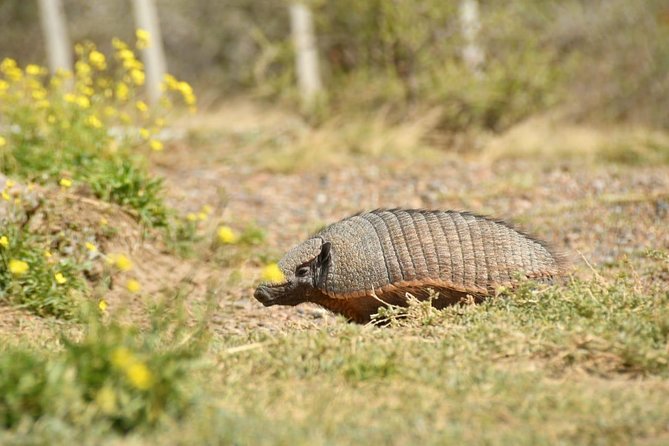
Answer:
(355, 265)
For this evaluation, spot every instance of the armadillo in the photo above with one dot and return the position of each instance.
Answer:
(356, 265)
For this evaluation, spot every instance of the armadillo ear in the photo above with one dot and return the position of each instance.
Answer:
(322, 265)
(324, 257)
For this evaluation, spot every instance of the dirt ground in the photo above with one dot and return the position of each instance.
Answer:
(606, 215)
(602, 215)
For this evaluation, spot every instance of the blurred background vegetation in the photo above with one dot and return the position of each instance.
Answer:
(599, 61)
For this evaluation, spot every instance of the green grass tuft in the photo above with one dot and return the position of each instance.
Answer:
(48, 286)
(115, 377)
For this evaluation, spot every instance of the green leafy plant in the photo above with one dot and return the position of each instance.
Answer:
(114, 374)
(33, 278)
(128, 184)
(89, 128)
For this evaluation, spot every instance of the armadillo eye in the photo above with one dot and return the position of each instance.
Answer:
(302, 271)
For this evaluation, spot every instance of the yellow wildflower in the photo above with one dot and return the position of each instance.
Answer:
(55, 82)
(4, 85)
(14, 74)
(122, 91)
(144, 133)
(202, 216)
(47, 254)
(118, 43)
(171, 82)
(62, 75)
(60, 278)
(126, 54)
(207, 209)
(10, 183)
(82, 68)
(139, 376)
(38, 95)
(187, 92)
(141, 106)
(160, 122)
(51, 119)
(103, 221)
(18, 267)
(156, 145)
(137, 76)
(3, 141)
(273, 274)
(226, 235)
(58, 78)
(69, 97)
(34, 70)
(122, 357)
(86, 90)
(94, 122)
(33, 84)
(98, 60)
(143, 38)
(11, 70)
(65, 182)
(185, 88)
(123, 263)
(17, 200)
(133, 286)
(102, 305)
(132, 64)
(4, 241)
(83, 102)
(191, 217)
(91, 247)
(5, 196)
(106, 400)
(109, 111)
(7, 63)
(120, 261)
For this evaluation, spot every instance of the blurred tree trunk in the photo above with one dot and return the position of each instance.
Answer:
(306, 62)
(472, 53)
(54, 28)
(146, 18)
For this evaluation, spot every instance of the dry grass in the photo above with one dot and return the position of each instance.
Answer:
(279, 141)
(551, 138)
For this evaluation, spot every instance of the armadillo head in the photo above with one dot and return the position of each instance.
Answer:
(305, 269)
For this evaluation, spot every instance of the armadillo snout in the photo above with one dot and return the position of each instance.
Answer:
(264, 296)
(289, 293)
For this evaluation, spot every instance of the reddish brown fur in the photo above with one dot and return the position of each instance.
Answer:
(361, 307)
